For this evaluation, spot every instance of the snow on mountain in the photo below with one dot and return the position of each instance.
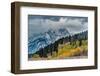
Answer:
(44, 39)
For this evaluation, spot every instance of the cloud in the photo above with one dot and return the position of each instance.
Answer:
(41, 24)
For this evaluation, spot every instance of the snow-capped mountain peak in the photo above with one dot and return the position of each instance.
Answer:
(44, 39)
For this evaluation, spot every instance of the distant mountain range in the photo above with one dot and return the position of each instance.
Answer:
(51, 36)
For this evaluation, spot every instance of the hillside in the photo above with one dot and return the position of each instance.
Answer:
(66, 47)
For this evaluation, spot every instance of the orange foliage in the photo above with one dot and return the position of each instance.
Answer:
(71, 52)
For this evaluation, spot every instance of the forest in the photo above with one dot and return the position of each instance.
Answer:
(67, 47)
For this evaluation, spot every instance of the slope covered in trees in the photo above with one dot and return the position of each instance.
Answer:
(70, 46)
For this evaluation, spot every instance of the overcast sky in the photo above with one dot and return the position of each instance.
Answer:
(40, 24)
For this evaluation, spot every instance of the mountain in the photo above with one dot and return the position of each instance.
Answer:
(46, 49)
(44, 39)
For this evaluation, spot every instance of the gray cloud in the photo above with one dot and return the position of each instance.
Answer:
(41, 24)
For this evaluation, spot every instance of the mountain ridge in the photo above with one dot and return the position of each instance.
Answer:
(53, 47)
(45, 39)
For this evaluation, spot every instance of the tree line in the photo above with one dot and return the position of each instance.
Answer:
(53, 47)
